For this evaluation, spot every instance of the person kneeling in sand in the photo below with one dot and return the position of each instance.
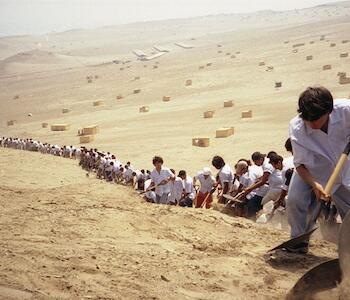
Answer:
(176, 189)
(188, 192)
(160, 177)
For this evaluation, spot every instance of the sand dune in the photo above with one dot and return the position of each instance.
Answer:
(114, 244)
(67, 236)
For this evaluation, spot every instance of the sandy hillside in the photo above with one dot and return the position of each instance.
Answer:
(42, 75)
(65, 236)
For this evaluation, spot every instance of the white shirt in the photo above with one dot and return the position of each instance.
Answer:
(188, 187)
(149, 195)
(109, 168)
(275, 181)
(267, 167)
(245, 180)
(206, 183)
(318, 151)
(255, 173)
(288, 163)
(116, 169)
(226, 175)
(176, 189)
(157, 178)
(128, 174)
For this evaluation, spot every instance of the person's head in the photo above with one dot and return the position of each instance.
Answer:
(143, 171)
(157, 162)
(182, 174)
(133, 173)
(126, 167)
(149, 172)
(249, 163)
(258, 158)
(288, 145)
(241, 167)
(314, 106)
(128, 163)
(218, 162)
(111, 163)
(206, 172)
(276, 161)
(271, 153)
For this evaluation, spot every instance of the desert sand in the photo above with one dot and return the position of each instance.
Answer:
(67, 236)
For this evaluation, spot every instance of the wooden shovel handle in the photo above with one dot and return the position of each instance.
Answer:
(342, 160)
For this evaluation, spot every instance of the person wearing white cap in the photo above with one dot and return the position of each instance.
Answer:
(207, 182)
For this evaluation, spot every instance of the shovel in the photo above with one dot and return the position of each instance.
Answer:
(323, 277)
(207, 197)
(329, 274)
(232, 199)
(295, 241)
(152, 188)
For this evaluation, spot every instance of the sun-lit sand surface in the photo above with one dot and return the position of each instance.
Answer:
(67, 236)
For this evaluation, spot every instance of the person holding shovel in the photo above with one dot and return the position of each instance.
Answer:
(224, 177)
(207, 182)
(160, 177)
(319, 134)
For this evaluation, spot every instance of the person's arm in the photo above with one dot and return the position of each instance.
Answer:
(262, 181)
(309, 179)
(280, 200)
(225, 190)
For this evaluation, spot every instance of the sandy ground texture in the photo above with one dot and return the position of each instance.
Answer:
(66, 236)
(41, 75)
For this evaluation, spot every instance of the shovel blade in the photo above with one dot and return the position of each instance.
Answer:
(294, 241)
(330, 231)
(323, 277)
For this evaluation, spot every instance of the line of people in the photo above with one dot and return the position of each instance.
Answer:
(263, 183)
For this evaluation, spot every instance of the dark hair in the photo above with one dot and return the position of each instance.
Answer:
(275, 159)
(315, 102)
(157, 159)
(172, 171)
(218, 162)
(271, 153)
(182, 173)
(288, 145)
(257, 155)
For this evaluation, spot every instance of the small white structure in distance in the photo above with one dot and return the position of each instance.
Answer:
(161, 49)
(183, 45)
